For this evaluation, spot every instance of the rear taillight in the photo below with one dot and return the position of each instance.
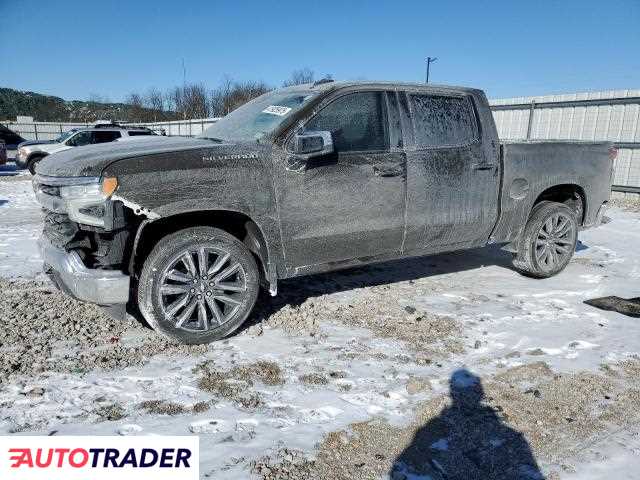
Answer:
(613, 153)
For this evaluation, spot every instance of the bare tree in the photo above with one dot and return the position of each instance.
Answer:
(136, 104)
(189, 101)
(300, 76)
(219, 96)
(154, 101)
(231, 95)
(135, 99)
(177, 101)
(195, 101)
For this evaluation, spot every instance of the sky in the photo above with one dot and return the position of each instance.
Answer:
(78, 49)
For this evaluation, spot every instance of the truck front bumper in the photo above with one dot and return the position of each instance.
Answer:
(103, 287)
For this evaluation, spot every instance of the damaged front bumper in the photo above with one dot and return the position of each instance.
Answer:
(68, 272)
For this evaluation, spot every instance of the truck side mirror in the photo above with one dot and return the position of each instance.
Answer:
(313, 144)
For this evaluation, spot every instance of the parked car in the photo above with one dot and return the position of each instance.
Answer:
(60, 139)
(10, 138)
(29, 155)
(3, 153)
(307, 179)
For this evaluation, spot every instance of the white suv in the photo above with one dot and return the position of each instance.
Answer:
(28, 156)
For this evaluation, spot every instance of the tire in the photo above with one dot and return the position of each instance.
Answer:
(179, 301)
(548, 240)
(33, 162)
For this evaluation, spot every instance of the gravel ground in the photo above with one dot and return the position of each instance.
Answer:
(47, 331)
(489, 430)
(632, 205)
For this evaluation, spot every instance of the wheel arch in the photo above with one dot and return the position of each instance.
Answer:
(234, 222)
(35, 156)
(569, 194)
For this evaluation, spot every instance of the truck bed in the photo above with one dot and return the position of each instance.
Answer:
(532, 166)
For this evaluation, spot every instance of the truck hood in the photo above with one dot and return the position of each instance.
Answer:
(91, 160)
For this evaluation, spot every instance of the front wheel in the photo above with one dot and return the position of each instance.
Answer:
(198, 285)
(548, 241)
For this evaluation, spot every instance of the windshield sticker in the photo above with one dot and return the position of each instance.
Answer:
(277, 110)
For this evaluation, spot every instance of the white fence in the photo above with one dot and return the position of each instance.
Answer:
(188, 128)
(612, 115)
(52, 130)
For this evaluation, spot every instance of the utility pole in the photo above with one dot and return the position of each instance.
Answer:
(184, 90)
(430, 60)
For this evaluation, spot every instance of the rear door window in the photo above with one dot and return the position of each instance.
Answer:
(105, 136)
(443, 121)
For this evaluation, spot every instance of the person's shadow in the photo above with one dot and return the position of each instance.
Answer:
(468, 440)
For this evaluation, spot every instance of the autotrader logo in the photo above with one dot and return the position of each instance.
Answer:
(97, 458)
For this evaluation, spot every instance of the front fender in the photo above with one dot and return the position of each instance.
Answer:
(263, 234)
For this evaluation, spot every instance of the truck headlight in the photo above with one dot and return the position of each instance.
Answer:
(85, 203)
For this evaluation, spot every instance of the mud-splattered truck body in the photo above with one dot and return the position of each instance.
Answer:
(307, 179)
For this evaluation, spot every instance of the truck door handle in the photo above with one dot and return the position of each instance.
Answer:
(484, 166)
(387, 171)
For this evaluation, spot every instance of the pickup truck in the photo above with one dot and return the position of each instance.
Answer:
(306, 179)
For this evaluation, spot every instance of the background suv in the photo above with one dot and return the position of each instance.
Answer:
(28, 156)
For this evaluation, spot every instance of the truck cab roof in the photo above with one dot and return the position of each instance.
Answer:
(337, 85)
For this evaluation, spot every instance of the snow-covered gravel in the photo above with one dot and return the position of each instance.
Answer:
(340, 373)
(19, 225)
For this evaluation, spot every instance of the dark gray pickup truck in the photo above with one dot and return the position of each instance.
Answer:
(307, 179)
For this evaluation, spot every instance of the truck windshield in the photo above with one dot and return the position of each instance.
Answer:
(259, 117)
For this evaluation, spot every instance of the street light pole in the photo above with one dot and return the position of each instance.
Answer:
(430, 60)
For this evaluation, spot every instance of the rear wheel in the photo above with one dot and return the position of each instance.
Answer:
(33, 162)
(198, 285)
(548, 241)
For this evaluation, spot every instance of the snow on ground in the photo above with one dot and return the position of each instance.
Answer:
(349, 371)
(296, 413)
(20, 222)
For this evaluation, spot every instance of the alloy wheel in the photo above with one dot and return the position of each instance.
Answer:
(202, 288)
(554, 241)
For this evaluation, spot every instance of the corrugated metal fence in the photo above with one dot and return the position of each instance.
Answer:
(612, 115)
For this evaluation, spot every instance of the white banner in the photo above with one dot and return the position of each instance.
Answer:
(99, 458)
